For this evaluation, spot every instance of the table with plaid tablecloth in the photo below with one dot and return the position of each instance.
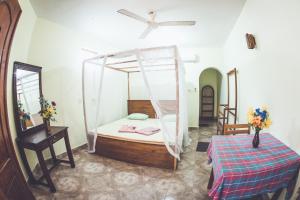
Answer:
(241, 171)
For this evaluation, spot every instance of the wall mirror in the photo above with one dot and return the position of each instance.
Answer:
(27, 90)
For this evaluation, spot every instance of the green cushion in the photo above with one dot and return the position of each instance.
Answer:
(138, 116)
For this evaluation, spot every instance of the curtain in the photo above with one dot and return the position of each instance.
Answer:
(183, 115)
(165, 84)
(92, 82)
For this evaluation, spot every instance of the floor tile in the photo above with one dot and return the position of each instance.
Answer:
(99, 178)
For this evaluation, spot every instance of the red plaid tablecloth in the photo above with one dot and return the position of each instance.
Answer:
(241, 171)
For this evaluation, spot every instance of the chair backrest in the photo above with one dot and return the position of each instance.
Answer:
(232, 129)
(223, 117)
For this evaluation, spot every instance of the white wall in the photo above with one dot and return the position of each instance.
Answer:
(270, 73)
(110, 103)
(58, 50)
(19, 52)
(162, 85)
(208, 58)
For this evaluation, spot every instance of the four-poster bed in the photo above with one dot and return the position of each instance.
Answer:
(159, 69)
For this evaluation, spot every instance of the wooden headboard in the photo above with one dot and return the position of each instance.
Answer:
(141, 106)
(145, 106)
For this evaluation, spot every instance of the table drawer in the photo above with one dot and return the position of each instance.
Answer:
(57, 137)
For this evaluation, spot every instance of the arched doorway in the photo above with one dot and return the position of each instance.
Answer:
(210, 81)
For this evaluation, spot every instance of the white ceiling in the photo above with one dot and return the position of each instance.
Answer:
(214, 20)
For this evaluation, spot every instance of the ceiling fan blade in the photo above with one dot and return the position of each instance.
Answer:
(177, 23)
(132, 15)
(146, 32)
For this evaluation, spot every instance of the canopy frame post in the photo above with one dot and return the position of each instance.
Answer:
(128, 85)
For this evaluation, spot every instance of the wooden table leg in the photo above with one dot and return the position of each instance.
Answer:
(45, 170)
(277, 194)
(31, 178)
(53, 155)
(298, 198)
(69, 150)
(211, 179)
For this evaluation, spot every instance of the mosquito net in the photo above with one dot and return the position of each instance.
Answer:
(155, 74)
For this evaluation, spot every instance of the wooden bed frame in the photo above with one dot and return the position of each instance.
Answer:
(152, 154)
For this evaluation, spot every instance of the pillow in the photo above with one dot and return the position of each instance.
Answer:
(138, 116)
(170, 118)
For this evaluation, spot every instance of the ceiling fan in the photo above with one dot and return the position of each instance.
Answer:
(152, 24)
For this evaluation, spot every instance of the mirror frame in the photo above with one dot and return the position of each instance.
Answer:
(27, 67)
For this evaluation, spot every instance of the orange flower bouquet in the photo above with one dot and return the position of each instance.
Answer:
(258, 119)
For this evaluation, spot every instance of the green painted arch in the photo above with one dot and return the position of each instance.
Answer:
(213, 77)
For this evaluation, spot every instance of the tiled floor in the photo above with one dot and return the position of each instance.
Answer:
(98, 178)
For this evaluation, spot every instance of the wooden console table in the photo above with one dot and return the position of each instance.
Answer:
(38, 142)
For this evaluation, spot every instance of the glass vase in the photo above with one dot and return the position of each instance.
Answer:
(255, 141)
(48, 125)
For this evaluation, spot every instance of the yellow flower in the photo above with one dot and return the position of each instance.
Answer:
(268, 123)
(250, 116)
(250, 119)
(256, 121)
(250, 110)
(265, 107)
(50, 110)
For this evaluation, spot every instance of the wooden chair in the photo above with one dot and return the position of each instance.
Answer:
(222, 118)
(224, 115)
(233, 129)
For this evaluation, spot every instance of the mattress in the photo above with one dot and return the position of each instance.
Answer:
(112, 129)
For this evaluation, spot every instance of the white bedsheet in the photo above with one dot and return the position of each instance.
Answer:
(112, 129)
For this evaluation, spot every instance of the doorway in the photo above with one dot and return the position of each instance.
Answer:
(207, 103)
(210, 81)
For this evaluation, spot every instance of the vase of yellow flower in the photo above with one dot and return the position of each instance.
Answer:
(48, 111)
(258, 119)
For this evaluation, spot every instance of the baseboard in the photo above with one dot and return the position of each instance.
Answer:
(74, 149)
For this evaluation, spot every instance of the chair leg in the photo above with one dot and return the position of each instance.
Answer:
(45, 171)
